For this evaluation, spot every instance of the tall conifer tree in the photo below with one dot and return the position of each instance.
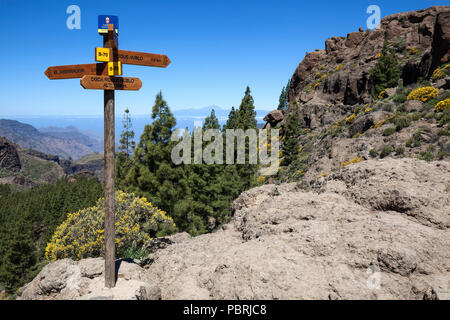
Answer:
(154, 175)
(291, 144)
(126, 148)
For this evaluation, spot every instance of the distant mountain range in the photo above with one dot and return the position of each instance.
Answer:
(72, 137)
(68, 143)
(221, 113)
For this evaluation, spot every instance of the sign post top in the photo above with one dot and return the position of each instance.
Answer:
(104, 20)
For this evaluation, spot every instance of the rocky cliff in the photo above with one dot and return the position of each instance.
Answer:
(26, 168)
(9, 158)
(340, 74)
(374, 230)
(341, 119)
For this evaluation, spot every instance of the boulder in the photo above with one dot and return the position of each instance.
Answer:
(84, 280)
(443, 83)
(365, 122)
(274, 117)
(390, 91)
(412, 105)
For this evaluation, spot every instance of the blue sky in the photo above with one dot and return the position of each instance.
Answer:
(217, 48)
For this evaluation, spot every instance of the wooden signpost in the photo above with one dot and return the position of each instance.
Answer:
(132, 57)
(102, 76)
(110, 83)
(76, 71)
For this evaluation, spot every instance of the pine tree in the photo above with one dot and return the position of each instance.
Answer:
(386, 72)
(232, 119)
(19, 256)
(211, 121)
(291, 143)
(284, 97)
(127, 143)
(246, 118)
(154, 175)
(126, 148)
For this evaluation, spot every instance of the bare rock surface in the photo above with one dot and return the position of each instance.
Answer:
(84, 280)
(373, 230)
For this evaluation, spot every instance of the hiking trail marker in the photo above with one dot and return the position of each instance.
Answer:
(102, 76)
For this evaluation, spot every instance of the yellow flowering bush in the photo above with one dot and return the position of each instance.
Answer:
(441, 72)
(324, 174)
(413, 50)
(382, 94)
(339, 67)
(81, 235)
(423, 94)
(443, 105)
(350, 119)
(261, 179)
(354, 160)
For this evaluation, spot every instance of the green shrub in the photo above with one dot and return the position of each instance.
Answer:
(444, 118)
(389, 131)
(443, 132)
(131, 252)
(426, 155)
(373, 153)
(414, 116)
(401, 122)
(385, 151)
(422, 82)
(400, 44)
(414, 141)
(441, 154)
(386, 107)
(399, 151)
(401, 95)
(429, 116)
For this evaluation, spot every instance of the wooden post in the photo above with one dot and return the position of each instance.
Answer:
(97, 76)
(110, 234)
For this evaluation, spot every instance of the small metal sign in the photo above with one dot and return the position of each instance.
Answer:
(104, 20)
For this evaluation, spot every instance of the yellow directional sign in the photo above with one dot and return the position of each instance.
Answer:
(102, 54)
(114, 68)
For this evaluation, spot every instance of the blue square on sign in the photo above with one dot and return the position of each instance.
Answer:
(104, 20)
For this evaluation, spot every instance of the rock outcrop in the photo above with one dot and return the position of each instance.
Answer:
(273, 118)
(9, 158)
(84, 280)
(340, 74)
(70, 144)
(373, 230)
